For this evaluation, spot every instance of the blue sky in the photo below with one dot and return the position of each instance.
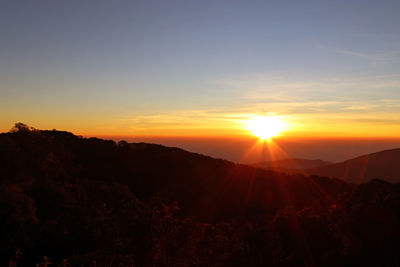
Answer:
(139, 67)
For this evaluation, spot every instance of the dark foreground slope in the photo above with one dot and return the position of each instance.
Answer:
(292, 166)
(384, 165)
(86, 200)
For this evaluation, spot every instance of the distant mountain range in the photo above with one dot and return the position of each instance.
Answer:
(384, 165)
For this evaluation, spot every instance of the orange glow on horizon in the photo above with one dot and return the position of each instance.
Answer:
(230, 125)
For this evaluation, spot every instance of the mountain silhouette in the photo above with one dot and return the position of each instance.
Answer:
(212, 189)
(383, 165)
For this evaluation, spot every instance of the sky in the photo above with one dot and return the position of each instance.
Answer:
(201, 68)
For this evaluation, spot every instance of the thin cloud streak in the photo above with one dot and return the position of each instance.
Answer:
(304, 103)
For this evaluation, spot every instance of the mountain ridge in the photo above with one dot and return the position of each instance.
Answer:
(383, 165)
(197, 181)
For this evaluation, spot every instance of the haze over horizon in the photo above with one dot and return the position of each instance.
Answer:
(250, 150)
(201, 69)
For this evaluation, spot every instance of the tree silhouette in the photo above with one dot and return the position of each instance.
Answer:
(21, 127)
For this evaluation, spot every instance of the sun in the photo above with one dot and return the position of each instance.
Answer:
(265, 127)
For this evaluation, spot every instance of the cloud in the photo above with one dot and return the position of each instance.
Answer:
(376, 57)
(392, 55)
(288, 92)
(307, 103)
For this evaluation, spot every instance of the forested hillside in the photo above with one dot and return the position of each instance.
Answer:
(73, 200)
